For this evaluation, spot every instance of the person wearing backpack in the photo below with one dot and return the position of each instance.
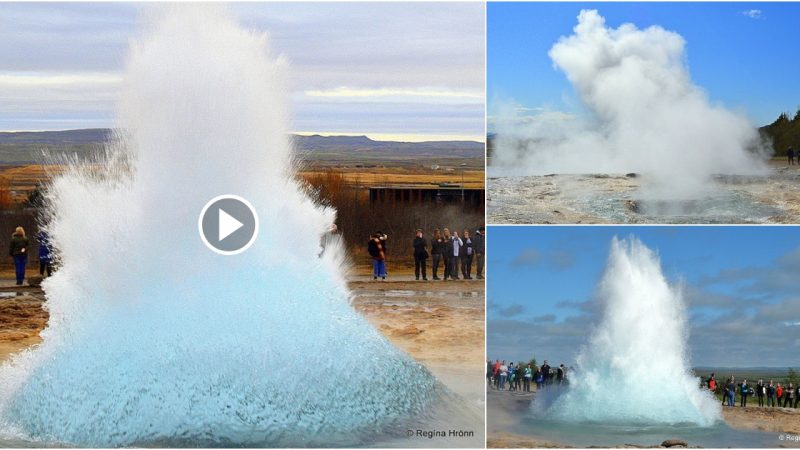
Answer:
(18, 250)
(375, 250)
(420, 256)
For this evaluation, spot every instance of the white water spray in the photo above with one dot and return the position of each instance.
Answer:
(635, 369)
(153, 339)
(647, 116)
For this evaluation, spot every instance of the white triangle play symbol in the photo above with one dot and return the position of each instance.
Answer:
(227, 224)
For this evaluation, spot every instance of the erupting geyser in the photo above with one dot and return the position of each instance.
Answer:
(645, 116)
(635, 369)
(155, 339)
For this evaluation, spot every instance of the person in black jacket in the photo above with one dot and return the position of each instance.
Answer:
(18, 250)
(448, 254)
(761, 391)
(420, 256)
(467, 253)
(479, 246)
(437, 250)
(770, 394)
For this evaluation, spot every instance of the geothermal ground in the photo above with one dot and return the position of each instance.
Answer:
(505, 409)
(616, 198)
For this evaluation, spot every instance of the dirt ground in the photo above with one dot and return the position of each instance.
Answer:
(21, 319)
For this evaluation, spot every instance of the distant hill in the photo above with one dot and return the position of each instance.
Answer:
(29, 146)
(783, 133)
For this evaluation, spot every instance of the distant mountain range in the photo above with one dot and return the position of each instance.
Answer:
(30, 146)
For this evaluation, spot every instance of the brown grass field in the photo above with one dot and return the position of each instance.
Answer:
(21, 180)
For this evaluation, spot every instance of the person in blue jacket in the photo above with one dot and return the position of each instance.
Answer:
(45, 254)
(744, 390)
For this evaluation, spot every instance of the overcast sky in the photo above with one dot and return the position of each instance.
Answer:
(411, 71)
(741, 285)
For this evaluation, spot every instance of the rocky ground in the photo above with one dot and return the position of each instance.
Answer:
(616, 198)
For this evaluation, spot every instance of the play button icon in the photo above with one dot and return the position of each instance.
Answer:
(228, 224)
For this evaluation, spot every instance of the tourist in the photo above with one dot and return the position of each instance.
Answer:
(712, 383)
(771, 394)
(561, 376)
(489, 371)
(761, 392)
(779, 394)
(503, 376)
(437, 248)
(731, 392)
(496, 372)
(789, 396)
(512, 376)
(466, 257)
(479, 245)
(455, 256)
(447, 253)
(539, 378)
(797, 396)
(18, 250)
(790, 155)
(526, 379)
(744, 390)
(375, 250)
(420, 256)
(384, 237)
(45, 254)
(546, 373)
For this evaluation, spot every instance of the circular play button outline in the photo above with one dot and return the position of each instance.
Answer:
(213, 201)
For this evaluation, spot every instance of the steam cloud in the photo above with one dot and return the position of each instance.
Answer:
(647, 116)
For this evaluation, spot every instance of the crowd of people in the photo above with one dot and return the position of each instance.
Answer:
(502, 376)
(449, 252)
(18, 250)
(769, 393)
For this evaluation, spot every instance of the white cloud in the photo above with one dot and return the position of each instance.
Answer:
(388, 69)
(752, 13)
(407, 93)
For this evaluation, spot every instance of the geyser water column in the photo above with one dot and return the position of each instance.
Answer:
(155, 339)
(635, 368)
(642, 113)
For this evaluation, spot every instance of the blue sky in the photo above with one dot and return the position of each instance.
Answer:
(744, 55)
(401, 71)
(741, 286)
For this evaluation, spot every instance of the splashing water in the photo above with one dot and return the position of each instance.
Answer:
(155, 339)
(645, 116)
(635, 368)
